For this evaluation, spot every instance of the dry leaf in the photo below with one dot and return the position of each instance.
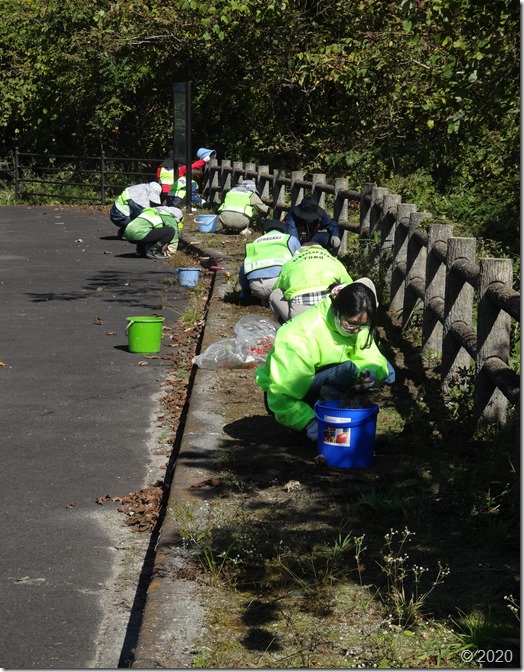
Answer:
(292, 485)
(107, 252)
(143, 363)
(208, 483)
(111, 333)
(71, 505)
(98, 320)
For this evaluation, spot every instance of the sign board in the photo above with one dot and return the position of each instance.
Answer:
(182, 132)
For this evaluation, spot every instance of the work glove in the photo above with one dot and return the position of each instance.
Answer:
(334, 241)
(312, 430)
(366, 381)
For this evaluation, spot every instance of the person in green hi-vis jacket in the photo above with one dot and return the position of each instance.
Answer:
(324, 353)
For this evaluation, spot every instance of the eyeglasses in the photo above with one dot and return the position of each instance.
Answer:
(351, 327)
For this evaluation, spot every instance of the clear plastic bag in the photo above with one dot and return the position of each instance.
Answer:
(255, 336)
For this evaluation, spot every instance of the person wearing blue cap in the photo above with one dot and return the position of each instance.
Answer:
(165, 173)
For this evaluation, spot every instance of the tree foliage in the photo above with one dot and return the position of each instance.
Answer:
(371, 88)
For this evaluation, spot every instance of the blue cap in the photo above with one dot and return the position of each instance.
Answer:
(203, 152)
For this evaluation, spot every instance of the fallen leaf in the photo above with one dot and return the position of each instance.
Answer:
(292, 485)
(103, 499)
(71, 505)
(208, 483)
(107, 252)
(98, 320)
(143, 363)
(111, 333)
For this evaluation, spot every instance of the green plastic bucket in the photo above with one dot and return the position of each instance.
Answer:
(346, 436)
(144, 334)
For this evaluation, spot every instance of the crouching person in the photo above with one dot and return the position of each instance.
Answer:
(155, 232)
(264, 259)
(326, 352)
(132, 202)
(242, 206)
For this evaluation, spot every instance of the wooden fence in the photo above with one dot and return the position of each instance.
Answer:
(467, 308)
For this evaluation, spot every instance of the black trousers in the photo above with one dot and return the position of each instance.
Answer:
(163, 235)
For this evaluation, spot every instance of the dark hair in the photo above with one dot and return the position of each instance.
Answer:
(354, 299)
(197, 174)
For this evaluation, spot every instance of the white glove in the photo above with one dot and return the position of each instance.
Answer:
(207, 159)
(312, 430)
(334, 241)
(366, 381)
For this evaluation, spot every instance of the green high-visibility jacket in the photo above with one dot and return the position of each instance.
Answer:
(311, 269)
(238, 201)
(268, 250)
(149, 218)
(122, 203)
(166, 175)
(179, 188)
(304, 345)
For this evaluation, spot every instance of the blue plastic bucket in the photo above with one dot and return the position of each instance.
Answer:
(206, 223)
(346, 436)
(188, 277)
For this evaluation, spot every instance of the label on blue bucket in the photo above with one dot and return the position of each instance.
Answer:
(336, 435)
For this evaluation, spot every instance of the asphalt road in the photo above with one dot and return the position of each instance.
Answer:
(76, 422)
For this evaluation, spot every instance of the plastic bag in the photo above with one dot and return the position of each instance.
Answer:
(255, 336)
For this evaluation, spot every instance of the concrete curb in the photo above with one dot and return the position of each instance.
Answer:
(173, 614)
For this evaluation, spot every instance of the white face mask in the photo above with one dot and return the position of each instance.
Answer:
(341, 329)
(347, 332)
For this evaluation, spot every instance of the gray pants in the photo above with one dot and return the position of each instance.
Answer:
(262, 287)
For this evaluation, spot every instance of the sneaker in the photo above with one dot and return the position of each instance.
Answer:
(121, 232)
(155, 252)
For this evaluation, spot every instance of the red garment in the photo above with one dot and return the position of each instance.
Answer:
(197, 164)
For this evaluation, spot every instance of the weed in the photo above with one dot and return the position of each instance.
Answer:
(406, 602)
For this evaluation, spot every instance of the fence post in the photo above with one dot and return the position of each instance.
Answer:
(103, 178)
(376, 209)
(211, 181)
(238, 173)
(225, 179)
(17, 189)
(458, 307)
(340, 212)
(279, 193)
(493, 338)
(263, 183)
(432, 327)
(400, 256)
(415, 268)
(387, 231)
(296, 191)
(365, 207)
(318, 178)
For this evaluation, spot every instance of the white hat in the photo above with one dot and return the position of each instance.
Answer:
(249, 185)
(154, 192)
(370, 285)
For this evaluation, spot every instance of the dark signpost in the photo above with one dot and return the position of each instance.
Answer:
(182, 132)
